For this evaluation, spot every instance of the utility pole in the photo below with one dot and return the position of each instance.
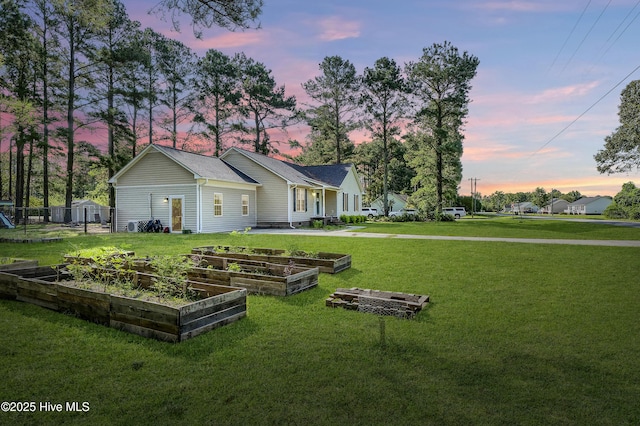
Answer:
(474, 187)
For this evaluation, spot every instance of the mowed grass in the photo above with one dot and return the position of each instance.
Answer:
(515, 334)
(510, 227)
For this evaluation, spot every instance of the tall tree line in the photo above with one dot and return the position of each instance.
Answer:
(74, 69)
(414, 116)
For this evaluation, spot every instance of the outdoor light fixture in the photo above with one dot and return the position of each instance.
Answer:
(166, 199)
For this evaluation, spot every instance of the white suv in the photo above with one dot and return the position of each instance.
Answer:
(456, 212)
(369, 212)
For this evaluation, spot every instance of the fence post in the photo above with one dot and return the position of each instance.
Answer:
(85, 220)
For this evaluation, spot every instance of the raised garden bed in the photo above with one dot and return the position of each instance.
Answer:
(9, 279)
(9, 263)
(330, 263)
(401, 305)
(219, 305)
(254, 276)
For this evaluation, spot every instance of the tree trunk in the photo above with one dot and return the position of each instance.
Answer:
(70, 130)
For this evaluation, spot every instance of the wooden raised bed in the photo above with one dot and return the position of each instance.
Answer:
(10, 264)
(330, 263)
(256, 277)
(9, 279)
(401, 305)
(219, 305)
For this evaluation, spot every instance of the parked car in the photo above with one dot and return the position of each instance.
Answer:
(369, 212)
(456, 212)
(402, 212)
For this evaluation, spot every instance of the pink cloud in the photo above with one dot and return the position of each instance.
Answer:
(562, 93)
(336, 28)
(229, 40)
(516, 6)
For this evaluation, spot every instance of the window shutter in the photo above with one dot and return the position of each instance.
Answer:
(295, 200)
(305, 200)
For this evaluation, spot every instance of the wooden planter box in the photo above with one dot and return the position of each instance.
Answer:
(219, 306)
(9, 279)
(330, 263)
(18, 264)
(401, 305)
(257, 277)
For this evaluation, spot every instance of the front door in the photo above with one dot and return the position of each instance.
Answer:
(318, 202)
(177, 212)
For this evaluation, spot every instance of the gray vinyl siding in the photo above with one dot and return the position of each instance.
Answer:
(156, 169)
(350, 186)
(231, 218)
(133, 204)
(272, 196)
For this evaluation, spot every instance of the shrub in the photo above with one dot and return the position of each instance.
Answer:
(614, 211)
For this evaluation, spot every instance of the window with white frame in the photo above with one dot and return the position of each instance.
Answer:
(217, 204)
(300, 200)
(245, 205)
(345, 202)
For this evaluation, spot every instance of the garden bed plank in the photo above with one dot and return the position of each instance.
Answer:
(36, 292)
(330, 263)
(87, 304)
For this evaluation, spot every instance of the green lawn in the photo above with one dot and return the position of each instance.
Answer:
(515, 334)
(510, 227)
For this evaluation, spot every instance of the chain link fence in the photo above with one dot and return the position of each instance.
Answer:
(90, 218)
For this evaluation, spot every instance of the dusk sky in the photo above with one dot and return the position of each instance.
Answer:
(543, 64)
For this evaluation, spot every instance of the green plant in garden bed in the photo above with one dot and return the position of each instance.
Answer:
(110, 268)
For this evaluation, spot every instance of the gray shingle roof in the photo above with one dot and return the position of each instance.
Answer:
(584, 201)
(204, 166)
(333, 174)
(283, 169)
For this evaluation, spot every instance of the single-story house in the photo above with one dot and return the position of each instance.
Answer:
(397, 202)
(523, 207)
(555, 206)
(291, 194)
(94, 212)
(589, 205)
(199, 193)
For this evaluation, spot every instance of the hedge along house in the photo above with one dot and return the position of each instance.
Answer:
(291, 195)
(185, 191)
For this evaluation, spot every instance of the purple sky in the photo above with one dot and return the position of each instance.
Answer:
(542, 64)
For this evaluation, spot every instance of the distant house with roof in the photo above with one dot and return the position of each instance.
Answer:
(521, 208)
(589, 205)
(397, 202)
(555, 206)
(188, 191)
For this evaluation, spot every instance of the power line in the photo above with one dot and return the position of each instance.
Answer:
(586, 35)
(570, 34)
(621, 33)
(586, 111)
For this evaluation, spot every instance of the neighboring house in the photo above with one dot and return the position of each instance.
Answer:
(291, 194)
(589, 205)
(524, 207)
(556, 206)
(94, 212)
(185, 191)
(397, 202)
(188, 191)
